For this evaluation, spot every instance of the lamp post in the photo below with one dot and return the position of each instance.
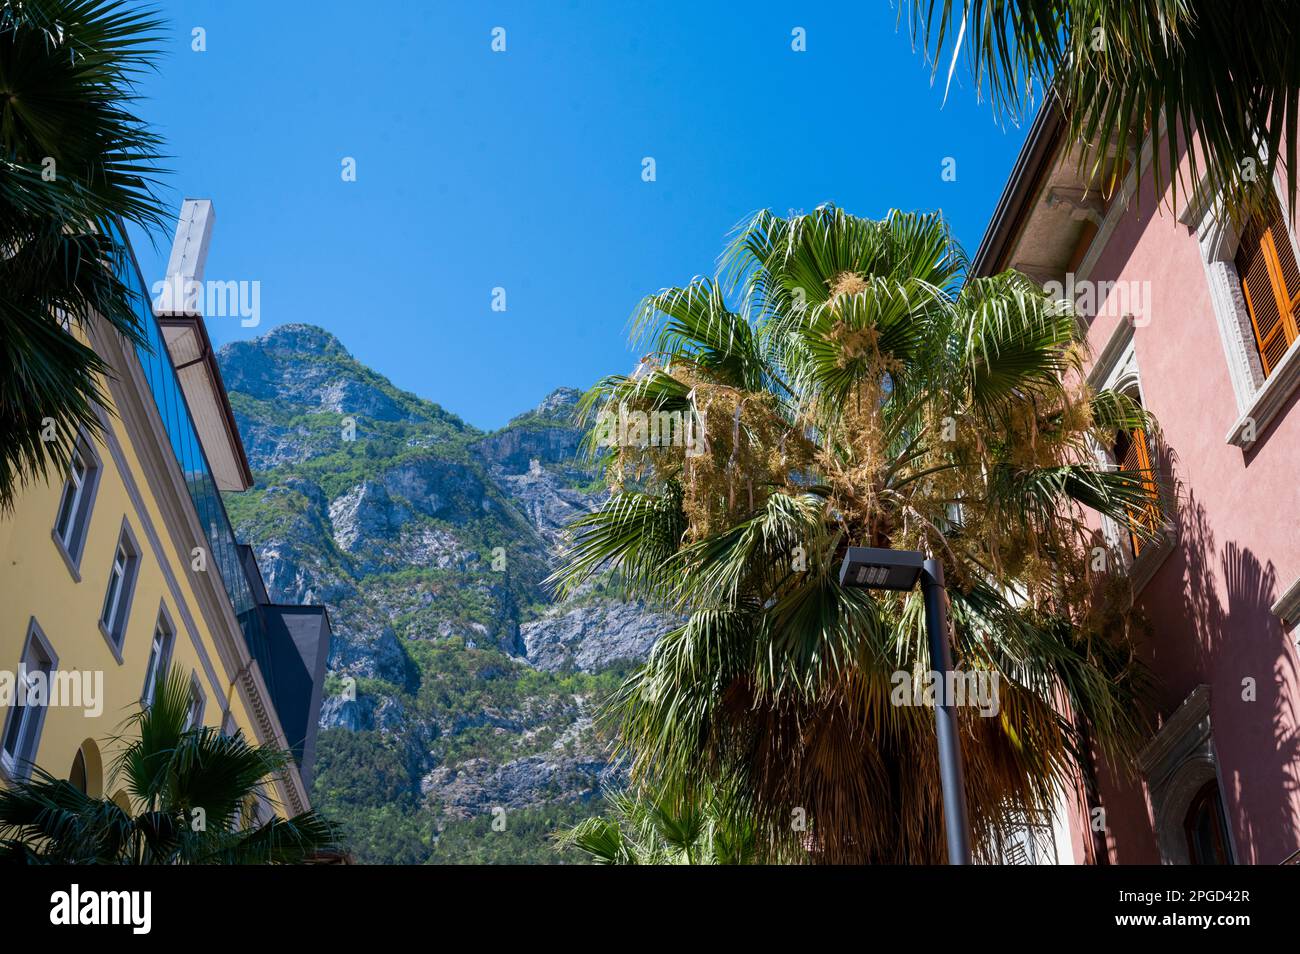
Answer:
(874, 568)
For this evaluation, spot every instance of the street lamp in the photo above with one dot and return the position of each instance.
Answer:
(873, 568)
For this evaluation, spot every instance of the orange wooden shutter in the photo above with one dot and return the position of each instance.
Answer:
(1137, 459)
(1271, 283)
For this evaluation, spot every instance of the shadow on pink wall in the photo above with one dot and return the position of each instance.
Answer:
(1209, 608)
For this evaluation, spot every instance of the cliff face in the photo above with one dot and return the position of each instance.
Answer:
(459, 693)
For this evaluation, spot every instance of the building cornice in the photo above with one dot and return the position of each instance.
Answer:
(1022, 188)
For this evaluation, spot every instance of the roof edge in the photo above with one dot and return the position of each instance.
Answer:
(1009, 215)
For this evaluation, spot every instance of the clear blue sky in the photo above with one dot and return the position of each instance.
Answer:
(523, 169)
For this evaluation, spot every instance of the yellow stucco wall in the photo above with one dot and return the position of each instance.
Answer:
(36, 581)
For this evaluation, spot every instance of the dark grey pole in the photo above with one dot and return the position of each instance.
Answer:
(951, 774)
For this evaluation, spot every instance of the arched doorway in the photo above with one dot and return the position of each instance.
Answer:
(1206, 828)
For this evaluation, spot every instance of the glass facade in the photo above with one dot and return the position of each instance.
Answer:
(223, 552)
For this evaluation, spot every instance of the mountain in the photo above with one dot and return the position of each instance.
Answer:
(458, 723)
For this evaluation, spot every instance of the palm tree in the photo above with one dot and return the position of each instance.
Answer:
(1229, 73)
(860, 393)
(193, 794)
(74, 163)
(704, 826)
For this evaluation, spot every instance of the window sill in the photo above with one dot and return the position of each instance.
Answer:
(113, 645)
(14, 770)
(1153, 556)
(1268, 401)
(72, 563)
(1287, 607)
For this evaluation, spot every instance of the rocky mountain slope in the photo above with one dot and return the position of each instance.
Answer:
(458, 724)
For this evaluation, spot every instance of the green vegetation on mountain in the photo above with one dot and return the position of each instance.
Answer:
(428, 540)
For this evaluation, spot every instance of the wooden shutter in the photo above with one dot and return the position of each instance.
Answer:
(1133, 454)
(1271, 283)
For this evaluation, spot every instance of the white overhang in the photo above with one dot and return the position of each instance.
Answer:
(178, 312)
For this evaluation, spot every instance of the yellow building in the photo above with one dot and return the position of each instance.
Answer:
(131, 564)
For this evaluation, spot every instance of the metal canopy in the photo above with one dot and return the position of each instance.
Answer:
(179, 315)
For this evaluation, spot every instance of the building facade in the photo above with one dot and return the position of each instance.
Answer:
(129, 565)
(1196, 319)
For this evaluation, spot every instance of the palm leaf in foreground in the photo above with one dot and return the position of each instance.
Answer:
(74, 164)
(193, 795)
(1226, 72)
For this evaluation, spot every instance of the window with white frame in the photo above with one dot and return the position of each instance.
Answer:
(75, 502)
(194, 717)
(1146, 536)
(1254, 284)
(1270, 283)
(121, 587)
(160, 654)
(26, 716)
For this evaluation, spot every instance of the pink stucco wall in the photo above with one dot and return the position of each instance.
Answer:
(1238, 550)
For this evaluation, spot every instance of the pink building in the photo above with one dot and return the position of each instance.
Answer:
(1200, 324)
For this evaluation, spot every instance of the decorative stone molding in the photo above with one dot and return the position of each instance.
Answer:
(1119, 206)
(1083, 205)
(1116, 369)
(1287, 607)
(1042, 274)
(1117, 358)
(257, 695)
(1176, 765)
(1268, 400)
(1259, 399)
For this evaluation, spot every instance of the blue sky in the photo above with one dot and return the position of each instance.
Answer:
(522, 169)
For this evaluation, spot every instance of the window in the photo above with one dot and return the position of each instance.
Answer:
(1145, 536)
(260, 809)
(1025, 838)
(121, 585)
(1254, 286)
(73, 517)
(1206, 828)
(160, 654)
(1132, 452)
(194, 718)
(1270, 282)
(23, 727)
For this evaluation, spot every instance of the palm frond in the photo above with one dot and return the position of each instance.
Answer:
(1118, 67)
(857, 393)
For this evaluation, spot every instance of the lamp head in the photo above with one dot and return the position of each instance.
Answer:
(876, 568)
